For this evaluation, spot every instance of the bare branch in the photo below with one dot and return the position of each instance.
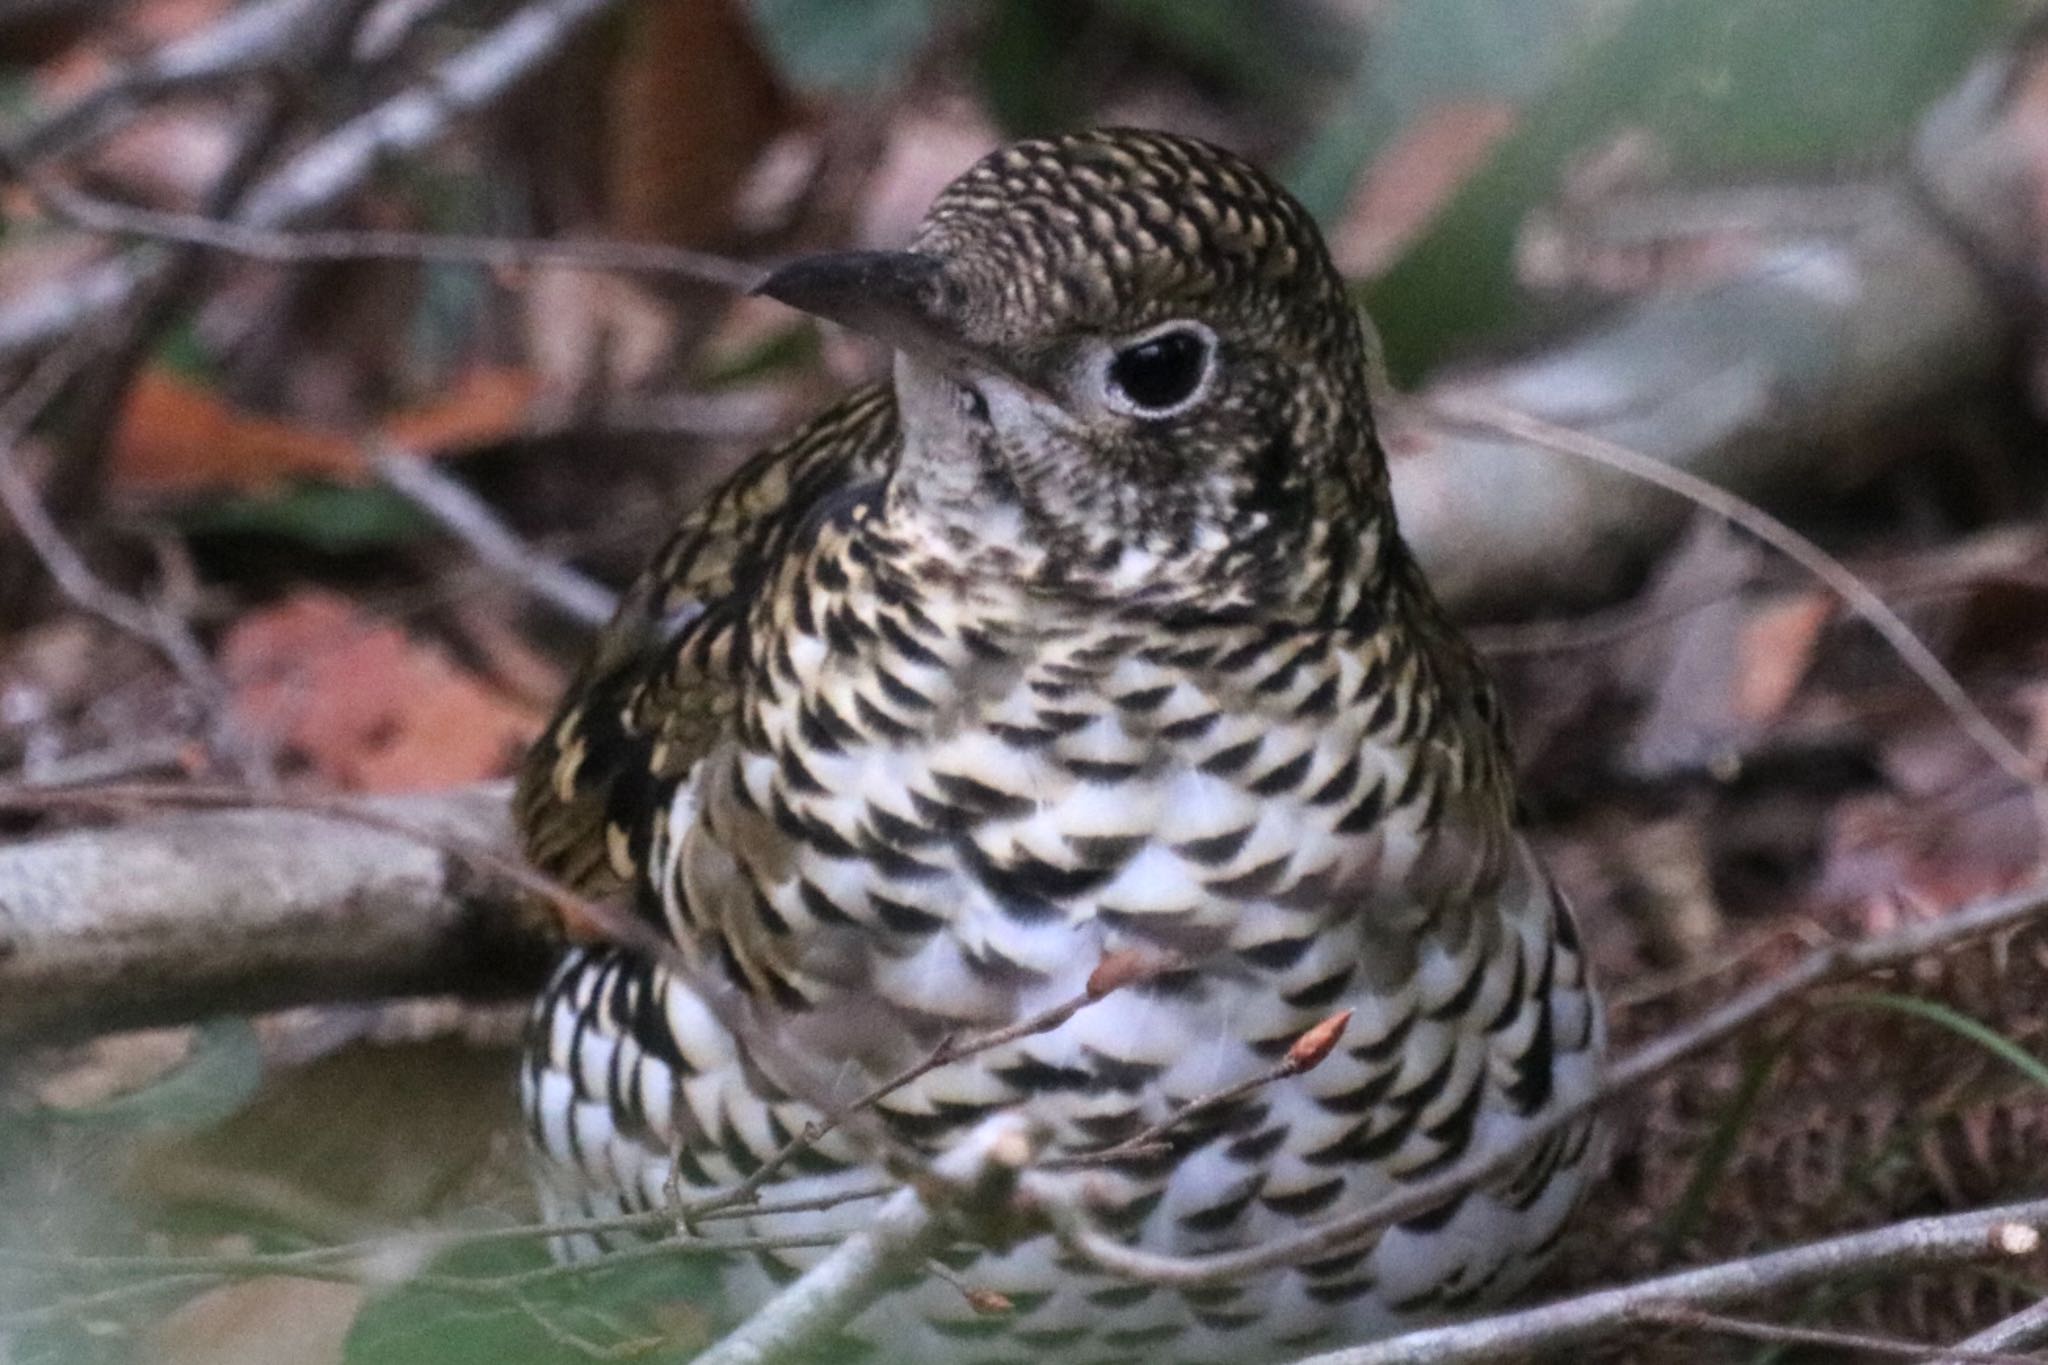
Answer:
(1788, 1334)
(1923, 1244)
(1116, 971)
(2023, 1330)
(332, 168)
(1308, 1052)
(245, 39)
(471, 520)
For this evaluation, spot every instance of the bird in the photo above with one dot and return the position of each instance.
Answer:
(1089, 633)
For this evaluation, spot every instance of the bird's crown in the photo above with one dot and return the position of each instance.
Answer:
(1126, 356)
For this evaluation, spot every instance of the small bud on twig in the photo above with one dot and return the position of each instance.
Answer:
(1311, 1047)
(2015, 1239)
(988, 1302)
(1116, 971)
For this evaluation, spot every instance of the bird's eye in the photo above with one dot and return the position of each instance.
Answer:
(973, 403)
(1159, 375)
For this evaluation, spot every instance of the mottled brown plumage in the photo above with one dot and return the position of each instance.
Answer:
(1091, 631)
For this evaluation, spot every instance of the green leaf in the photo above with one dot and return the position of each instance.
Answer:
(1243, 43)
(1427, 53)
(1026, 86)
(1962, 1025)
(1748, 85)
(326, 517)
(1721, 1146)
(846, 46)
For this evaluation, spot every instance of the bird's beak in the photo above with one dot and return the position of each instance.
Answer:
(892, 296)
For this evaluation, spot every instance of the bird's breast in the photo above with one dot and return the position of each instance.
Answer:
(956, 804)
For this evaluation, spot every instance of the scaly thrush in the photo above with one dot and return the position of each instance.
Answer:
(1092, 631)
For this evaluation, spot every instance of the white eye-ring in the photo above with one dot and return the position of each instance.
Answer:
(1160, 372)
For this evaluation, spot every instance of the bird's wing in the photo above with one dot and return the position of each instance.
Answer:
(655, 693)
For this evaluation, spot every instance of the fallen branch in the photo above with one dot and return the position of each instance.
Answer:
(1923, 1244)
(210, 912)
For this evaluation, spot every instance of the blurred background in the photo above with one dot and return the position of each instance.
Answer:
(328, 514)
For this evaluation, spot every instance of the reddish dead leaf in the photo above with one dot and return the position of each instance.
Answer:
(1310, 1048)
(1415, 177)
(485, 404)
(1777, 648)
(692, 104)
(176, 437)
(363, 704)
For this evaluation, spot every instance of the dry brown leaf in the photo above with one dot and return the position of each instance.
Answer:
(365, 705)
(177, 437)
(258, 1322)
(109, 1067)
(693, 103)
(1777, 648)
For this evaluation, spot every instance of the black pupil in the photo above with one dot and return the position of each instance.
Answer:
(1160, 371)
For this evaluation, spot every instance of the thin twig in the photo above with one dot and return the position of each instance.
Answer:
(1788, 1334)
(1839, 578)
(977, 1176)
(245, 39)
(1827, 964)
(375, 1267)
(470, 519)
(284, 246)
(1305, 1055)
(2022, 1331)
(334, 166)
(163, 631)
(1116, 971)
(1921, 1244)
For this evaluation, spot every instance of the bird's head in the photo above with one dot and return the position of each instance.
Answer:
(1125, 364)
